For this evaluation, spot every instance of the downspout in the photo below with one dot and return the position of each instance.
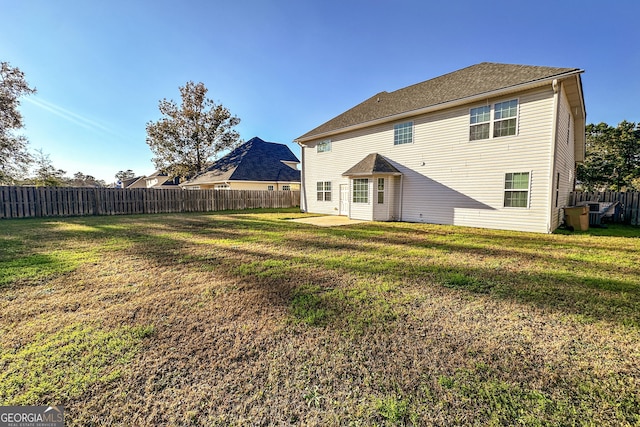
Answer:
(552, 159)
(388, 199)
(303, 190)
(401, 196)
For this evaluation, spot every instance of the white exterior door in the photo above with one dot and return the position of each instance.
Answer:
(344, 199)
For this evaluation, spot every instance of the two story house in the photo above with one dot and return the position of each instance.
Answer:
(491, 146)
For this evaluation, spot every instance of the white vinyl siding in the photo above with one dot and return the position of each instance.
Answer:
(564, 172)
(446, 179)
(385, 198)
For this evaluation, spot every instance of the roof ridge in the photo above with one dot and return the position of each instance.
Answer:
(478, 79)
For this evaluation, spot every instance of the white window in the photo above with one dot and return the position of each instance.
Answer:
(403, 133)
(269, 187)
(480, 122)
(323, 191)
(361, 190)
(323, 146)
(504, 123)
(380, 190)
(222, 187)
(286, 188)
(504, 118)
(516, 190)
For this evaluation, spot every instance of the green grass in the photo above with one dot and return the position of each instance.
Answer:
(242, 318)
(52, 368)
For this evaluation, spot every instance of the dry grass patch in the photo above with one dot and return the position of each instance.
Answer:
(248, 319)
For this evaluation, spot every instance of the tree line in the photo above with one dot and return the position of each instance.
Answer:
(191, 135)
(612, 159)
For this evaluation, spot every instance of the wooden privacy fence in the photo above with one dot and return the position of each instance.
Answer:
(27, 202)
(630, 201)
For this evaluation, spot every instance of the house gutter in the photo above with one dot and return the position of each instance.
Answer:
(303, 190)
(583, 134)
(401, 196)
(441, 106)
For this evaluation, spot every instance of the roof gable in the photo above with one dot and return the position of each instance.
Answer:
(475, 80)
(373, 164)
(255, 160)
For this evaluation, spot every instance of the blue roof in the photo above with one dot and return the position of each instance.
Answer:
(255, 160)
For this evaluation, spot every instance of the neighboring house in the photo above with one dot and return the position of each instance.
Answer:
(254, 165)
(156, 180)
(491, 145)
(127, 182)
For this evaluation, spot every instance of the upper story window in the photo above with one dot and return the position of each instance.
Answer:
(516, 190)
(323, 191)
(323, 146)
(504, 118)
(480, 122)
(403, 133)
(504, 123)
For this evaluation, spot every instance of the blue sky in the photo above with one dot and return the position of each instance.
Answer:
(284, 67)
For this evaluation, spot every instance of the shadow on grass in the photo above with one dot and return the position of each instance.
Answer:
(607, 230)
(330, 271)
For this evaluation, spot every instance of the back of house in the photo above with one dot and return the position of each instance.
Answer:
(491, 145)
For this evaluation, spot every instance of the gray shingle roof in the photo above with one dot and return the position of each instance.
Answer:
(255, 160)
(373, 164)
(474, 80)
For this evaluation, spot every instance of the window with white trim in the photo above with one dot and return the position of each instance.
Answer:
(286, 188)
(480, 122)
(504, 118)
(323, 192)
(269, 187)
(323, 146)
(361, 190)
(504, 122)
(222, 187)
(403, 133)
(516, 190)
(380, 190)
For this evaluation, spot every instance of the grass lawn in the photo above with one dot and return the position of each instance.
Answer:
(250, 319)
